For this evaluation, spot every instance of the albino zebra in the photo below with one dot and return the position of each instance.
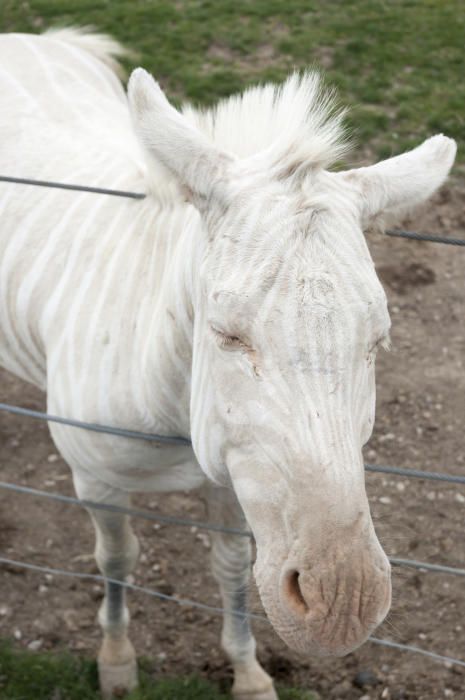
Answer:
(237, 305)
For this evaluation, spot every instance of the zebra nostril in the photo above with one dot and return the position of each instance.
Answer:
(293, 593)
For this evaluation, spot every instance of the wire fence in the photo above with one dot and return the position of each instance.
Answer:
(187, 522)
(427, 237)
(37, 568)
(200, 525)
(174, 440)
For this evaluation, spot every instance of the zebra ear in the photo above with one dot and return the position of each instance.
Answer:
(197, 165)
(394, 186)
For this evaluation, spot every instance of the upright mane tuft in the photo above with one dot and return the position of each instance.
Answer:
(297, 116)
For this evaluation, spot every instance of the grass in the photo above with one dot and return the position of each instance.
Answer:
(25, 675)
(400, 64)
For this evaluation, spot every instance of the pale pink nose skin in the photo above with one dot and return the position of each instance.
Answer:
(329, 611)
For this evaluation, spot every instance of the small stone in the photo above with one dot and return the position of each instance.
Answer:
(17, 634)
(84, 558)
(385, 500)
(71, 619)
(79, 644)
(460, 498)
(4, 610)
(97, 591)
(341, 690)
(35, 644)
(399, 694)
(52, 458)
(365, 679)
(204, 539)
(400, 486)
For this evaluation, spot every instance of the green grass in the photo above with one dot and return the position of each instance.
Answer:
(26, 675)
(400, 64)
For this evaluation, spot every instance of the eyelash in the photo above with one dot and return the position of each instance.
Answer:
(227, 341)
(233, 341)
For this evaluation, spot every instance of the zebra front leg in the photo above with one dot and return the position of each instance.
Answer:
(116, 554)
(231, 561)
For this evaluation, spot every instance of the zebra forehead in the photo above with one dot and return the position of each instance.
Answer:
(310, 297)
(309, 264)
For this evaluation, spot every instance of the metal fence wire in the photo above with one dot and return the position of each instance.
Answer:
(428, 237)
(162, 439)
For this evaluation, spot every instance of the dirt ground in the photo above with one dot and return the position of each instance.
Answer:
(421, 408)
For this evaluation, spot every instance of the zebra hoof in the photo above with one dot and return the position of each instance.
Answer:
(251, 682)
(267, 694)
(117, 680)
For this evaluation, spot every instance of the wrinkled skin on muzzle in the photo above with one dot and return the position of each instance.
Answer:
(327, 603)
(323, 577)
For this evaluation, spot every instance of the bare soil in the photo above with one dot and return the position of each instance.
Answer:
(421, 408)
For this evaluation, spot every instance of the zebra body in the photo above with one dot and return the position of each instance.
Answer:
(91, 300)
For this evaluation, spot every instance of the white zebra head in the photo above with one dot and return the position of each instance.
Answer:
(288, 315)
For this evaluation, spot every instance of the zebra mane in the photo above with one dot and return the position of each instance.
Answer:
(101, 46)
(297, 117)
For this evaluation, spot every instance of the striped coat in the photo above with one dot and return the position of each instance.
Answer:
(86, 281)
(249, 322)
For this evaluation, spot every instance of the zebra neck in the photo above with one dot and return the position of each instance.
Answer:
(166, 367)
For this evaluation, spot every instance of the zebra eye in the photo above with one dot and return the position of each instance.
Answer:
(228, 342)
